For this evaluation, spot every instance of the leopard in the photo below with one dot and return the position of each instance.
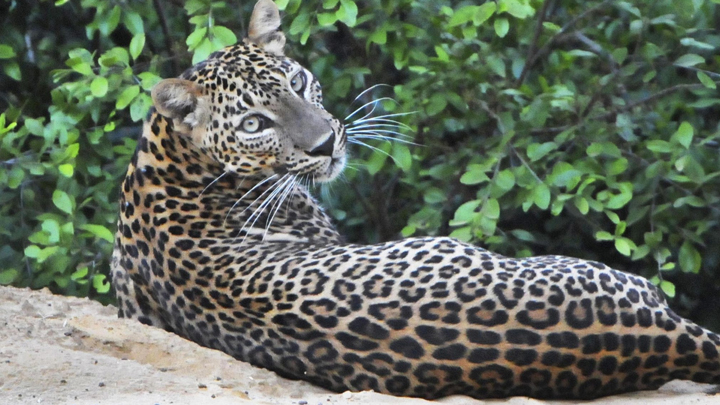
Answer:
(220, 241)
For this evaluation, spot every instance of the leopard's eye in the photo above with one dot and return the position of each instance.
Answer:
(253, 123)
(297, 83)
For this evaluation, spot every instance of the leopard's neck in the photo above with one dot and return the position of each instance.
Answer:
(171, 181)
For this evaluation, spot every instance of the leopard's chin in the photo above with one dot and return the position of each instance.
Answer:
(334, 168)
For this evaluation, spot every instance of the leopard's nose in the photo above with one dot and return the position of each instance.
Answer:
(324, 149)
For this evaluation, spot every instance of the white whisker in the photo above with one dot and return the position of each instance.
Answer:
(373, 102)
(376, 131)
(213, 182)
(246, 194)
(355, 141)
(371, 124)
(384, 116)
(383, 138)
(276, 187)
(276, 207)
(371, 88)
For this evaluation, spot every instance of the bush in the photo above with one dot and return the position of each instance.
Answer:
(586, 129)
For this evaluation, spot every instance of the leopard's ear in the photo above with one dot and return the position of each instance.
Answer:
(182, 100)
(265, 27)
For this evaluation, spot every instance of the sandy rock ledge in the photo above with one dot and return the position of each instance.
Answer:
(61, 350)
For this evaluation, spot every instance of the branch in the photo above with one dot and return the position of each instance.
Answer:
(157, 4)
(531, 60)
(627, 107)
(659, 94)
(533, 44)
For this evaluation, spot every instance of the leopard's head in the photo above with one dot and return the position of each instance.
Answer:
(254, 110)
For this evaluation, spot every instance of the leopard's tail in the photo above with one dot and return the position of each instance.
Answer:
(695, 354)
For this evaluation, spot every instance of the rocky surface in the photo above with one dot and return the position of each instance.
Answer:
(61, 350)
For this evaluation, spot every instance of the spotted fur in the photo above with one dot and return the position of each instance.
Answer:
(425, 317)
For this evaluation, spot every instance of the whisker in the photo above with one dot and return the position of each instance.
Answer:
(376, 131)
(273, 210)
(276, 187)
(384, 138)
(374, 102)
(246, 194)
(213, 182)
(371, 88)
(373, 124)
(384, 116)
(355, 141)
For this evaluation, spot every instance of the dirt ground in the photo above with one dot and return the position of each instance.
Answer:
(60, 350)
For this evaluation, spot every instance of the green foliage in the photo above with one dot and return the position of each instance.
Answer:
(560, 127)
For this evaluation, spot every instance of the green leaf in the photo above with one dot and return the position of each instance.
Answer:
(347, 12)
(99, 86)
(689, 258)
(603, 236)
(224, 34)
(100, 283)
(140, 107)
(582, 205)
(66, 169)
(134, 23)
(689, 60)
(127, 96)
(475, 174)
(491, 209)
(623, 246)
(79, 273)
(464, 15)
(8, 276)
(536, 151)
(483, 13)
(668, 288)
(52, 228)
(83, 68)
(505, 180)
(34, 126)
(541, 196)
(6, 52)
(136, 45)
(517, 9)
(12, 69)
(32, 251)
(402, 156)
(99, 231)
(326, 19)
(379, 37)
(466, 212)
(599, 148)
(684, 134)
(659, 146)
(193, 40)
(502, 26)
(203, 50)
(706, 80)
(437, 103)
(63, 201)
